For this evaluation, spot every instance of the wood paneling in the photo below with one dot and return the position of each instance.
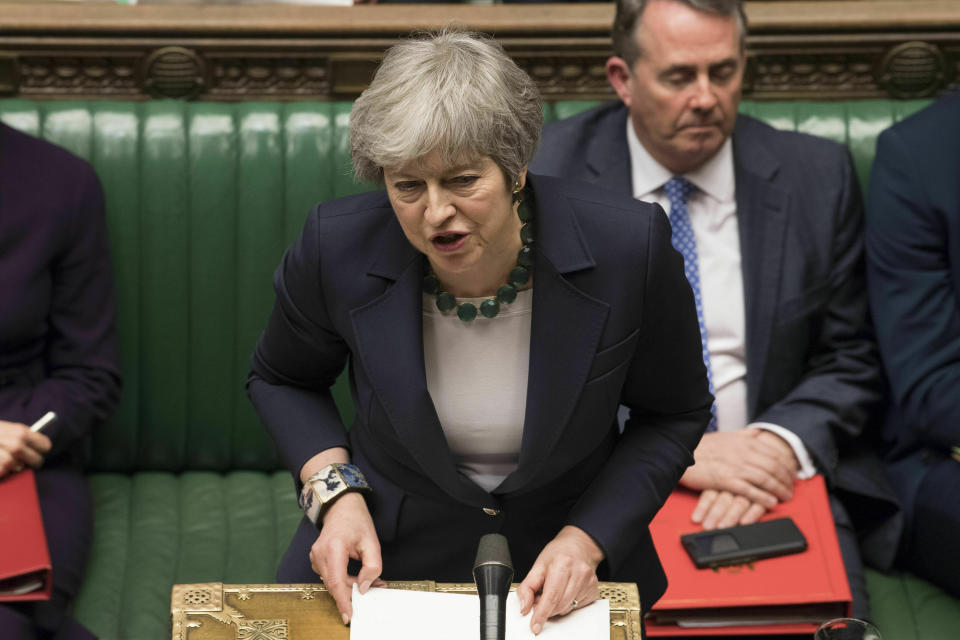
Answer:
(811, 49)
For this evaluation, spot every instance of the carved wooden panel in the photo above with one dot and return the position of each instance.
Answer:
(797, 50)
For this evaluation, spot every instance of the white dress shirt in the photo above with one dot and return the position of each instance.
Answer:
(713, 216)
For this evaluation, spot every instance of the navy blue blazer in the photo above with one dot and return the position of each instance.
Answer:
(913, 238)
(613, 321)
(812, 364)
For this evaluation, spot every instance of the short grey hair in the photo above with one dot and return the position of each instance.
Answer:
(453, 92)
(629, 12)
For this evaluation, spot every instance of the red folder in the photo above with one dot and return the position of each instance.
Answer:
(24, 559)
(789, 594)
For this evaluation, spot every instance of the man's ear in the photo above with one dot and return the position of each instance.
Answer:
(620, 78)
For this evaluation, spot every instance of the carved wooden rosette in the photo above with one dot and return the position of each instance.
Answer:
(215, 611)
(814, 49)
(864, 68)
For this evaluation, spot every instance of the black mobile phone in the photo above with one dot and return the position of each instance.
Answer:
(744, 543)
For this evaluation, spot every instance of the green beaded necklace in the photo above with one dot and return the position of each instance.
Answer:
(507, 293)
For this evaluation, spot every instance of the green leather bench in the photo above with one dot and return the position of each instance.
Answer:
(202, 199)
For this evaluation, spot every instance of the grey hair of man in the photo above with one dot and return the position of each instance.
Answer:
(627, 43)
(454, 93)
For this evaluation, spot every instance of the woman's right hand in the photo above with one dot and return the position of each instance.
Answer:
(347, 532)
(19, 447)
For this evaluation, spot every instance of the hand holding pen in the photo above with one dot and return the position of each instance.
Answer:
(22, 445)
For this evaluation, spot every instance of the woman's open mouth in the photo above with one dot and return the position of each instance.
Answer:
(448, 241)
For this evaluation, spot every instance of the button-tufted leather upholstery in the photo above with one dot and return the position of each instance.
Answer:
(202, 199)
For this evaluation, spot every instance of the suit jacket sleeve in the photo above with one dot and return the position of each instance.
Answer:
(667, 392)
(81, 381)
(840, 387)
(913, 292)
(298, 358)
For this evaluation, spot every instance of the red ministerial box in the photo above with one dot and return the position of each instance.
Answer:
(24, 559)
(789, 594)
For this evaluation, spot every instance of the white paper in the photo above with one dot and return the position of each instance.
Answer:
(399, 614)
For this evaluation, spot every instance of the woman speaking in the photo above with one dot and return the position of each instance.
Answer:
(493, 321)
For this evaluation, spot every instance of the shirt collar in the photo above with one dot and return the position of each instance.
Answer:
(715, 177)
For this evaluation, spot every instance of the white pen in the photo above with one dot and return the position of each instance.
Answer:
(47, 418)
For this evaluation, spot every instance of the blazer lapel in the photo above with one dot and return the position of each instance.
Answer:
(607, 155)
(565, 331)
(762, 219)
(389, 335)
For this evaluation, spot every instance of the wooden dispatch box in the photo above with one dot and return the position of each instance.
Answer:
(217, 611)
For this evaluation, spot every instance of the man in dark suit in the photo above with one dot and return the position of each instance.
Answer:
(912, 240)
(769, 224)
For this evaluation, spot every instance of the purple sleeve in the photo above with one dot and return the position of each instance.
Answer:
(76, 373)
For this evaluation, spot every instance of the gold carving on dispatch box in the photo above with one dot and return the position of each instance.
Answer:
(307, 611)
(203, 599)
(263, 630)
(197, 597)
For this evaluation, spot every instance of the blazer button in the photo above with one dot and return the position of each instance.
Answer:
(491, 512)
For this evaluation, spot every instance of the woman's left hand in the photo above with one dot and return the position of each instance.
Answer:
(563, 578)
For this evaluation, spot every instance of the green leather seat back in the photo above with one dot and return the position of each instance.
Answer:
(202, 199)
(855, 124)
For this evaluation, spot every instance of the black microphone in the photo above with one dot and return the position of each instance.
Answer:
(493, 572)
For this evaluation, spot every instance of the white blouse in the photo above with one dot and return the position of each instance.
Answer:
(477, 377)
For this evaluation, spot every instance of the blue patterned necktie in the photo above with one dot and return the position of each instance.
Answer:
(678, 192)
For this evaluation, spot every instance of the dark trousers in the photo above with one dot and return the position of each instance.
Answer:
(68, 520)
(932, 545)
(850, 550)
